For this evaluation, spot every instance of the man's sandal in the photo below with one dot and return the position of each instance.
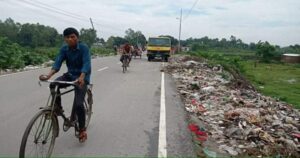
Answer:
(82, 136)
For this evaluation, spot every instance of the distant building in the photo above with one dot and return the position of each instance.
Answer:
(185, 49)
(98, 44)
(290, 58)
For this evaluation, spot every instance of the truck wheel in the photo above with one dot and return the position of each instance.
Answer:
(166, 59)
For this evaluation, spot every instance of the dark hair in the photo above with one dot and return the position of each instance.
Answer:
(69, 31)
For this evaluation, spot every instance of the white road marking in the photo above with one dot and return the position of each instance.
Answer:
(162, 141)
(102, 69)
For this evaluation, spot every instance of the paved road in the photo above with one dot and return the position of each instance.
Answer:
(126, 112)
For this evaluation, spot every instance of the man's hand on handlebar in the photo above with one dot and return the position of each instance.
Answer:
(44, 77)
(80, 80)
(47, 77)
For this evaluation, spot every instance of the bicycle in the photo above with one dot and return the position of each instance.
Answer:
(125, 63)
(44, 127)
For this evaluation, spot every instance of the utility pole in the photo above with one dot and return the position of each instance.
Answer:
(179, 46)
(92, 23)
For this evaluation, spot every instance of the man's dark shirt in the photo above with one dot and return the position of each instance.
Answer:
(78, 61)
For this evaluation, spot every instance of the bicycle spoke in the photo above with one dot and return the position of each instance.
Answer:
(40, 138)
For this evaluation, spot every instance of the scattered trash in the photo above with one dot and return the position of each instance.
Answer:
(230, 150)
(239, 119)
(27, 68)
(30, 67)
(209, 153)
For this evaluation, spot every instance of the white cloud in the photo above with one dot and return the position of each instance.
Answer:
(251, 20)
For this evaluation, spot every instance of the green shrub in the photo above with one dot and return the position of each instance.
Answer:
(10, 55)
(101, 51)
(47, 53)
(31, 58)
(228, 62)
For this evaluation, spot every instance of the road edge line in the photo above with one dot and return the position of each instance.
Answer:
(162, 140)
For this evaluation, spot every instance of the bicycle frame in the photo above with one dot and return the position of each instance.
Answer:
(50, 105)
(54, 96)
(44, 124)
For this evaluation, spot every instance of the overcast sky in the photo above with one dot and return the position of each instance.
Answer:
(276, 21)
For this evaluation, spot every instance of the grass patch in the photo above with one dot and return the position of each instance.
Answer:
(277, 80)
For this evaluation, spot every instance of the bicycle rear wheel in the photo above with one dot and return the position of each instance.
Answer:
(88, 108)
(125, 64)
(39, 137)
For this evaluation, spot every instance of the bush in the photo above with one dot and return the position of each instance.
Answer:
(47, 53)
(10, 55)
(218, 58)
(101, 51)
(33, 58)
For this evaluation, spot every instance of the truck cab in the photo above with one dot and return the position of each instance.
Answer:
(158, 47)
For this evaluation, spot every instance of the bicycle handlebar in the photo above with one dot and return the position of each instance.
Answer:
(74, 83)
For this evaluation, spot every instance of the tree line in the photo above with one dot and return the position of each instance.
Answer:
(37, 35)
(29, 44)
(33, 44)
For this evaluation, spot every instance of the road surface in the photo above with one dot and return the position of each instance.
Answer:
(126, 119)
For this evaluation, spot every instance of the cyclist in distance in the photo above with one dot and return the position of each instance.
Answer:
(78, 61)
(126, 51)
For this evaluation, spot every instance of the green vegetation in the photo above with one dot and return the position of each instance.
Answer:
(231, 62)
(135, 38)
(30, 35)
(257, 62)
(11, 54)
(275, 79)
(100, 51)
(34, 44)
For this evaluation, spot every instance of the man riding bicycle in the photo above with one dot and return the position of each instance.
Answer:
(126, 52)
(78, 61)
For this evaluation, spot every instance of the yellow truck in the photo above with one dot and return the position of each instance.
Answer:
(158, 47)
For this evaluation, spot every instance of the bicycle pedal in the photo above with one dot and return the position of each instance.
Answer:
(66, 128)
(67, 125)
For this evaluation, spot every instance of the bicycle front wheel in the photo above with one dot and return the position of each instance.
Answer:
(88, 113)
(39, 137)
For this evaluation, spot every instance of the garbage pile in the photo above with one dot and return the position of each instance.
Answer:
(240, 121)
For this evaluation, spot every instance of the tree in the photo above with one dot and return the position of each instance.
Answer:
(115, 41)
(233, 41)
(100, 40)
(36, 35)
(88, 36)
(265, 51)
(174, 41)
(224, 43)
(135, 38)
(252, 46)
(26, 34)
(9, 29)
